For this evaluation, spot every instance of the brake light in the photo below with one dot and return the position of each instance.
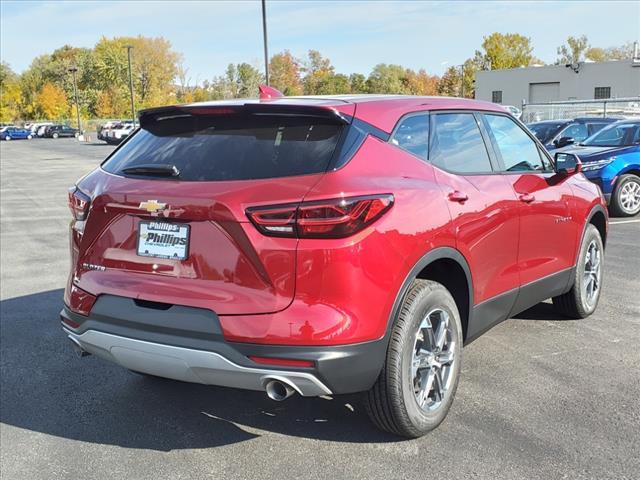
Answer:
(335, 218)
(78, 204)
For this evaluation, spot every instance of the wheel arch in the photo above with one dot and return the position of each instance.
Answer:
(449, 267)
(598, 218)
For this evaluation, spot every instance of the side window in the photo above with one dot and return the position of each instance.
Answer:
(457, 144)
(517, 150)
(577, 131)
(412, 135)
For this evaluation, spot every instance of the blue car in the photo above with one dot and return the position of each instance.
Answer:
(611, 159)
(556, 134)
(13, 133)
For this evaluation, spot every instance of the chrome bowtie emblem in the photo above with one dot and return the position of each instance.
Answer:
(152, 206)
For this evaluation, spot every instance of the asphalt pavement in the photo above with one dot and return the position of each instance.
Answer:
(540, 396)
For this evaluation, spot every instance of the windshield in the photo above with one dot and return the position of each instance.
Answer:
(545, 131)
(615, 135)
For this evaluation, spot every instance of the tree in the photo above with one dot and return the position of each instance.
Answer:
(284, 73)
(241, 80)
(421, 83)
(574, 51)
(388, 79)
(500, 51)
(358, 83)
(317, 70)
(51, 102)
(598, 54)
(10, 94)
(334, 84)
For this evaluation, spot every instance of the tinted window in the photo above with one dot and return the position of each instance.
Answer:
(517, 150)
(577, 131)
(545, 131)
(231, 147)
(457, 145)
(614, 135)
(412, 134)
(595, 127)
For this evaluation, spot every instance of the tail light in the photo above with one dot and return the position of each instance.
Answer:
(335, 218)
(78, 204)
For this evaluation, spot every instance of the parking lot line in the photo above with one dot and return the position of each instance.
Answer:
(624, 221)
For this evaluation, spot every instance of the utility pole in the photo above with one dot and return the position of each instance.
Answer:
(133, 108)
(462, 80)
(73, 71)
(264, 40)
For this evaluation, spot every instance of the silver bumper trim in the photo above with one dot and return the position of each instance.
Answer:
(188, 365)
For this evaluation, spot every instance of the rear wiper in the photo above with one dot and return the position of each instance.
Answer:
(159, 170)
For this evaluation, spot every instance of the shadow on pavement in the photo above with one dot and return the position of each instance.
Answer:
(542, 311)
(47, 389)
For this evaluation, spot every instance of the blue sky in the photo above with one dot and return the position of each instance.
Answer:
(355, 35)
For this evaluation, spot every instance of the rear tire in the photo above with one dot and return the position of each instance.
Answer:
(582, 300)
(55, 135)
(416, 387)
(29, 137)
(625, 201)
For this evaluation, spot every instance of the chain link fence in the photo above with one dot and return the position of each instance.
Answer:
(618, 107)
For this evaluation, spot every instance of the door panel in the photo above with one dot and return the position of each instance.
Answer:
(547, 230)
(487, 230)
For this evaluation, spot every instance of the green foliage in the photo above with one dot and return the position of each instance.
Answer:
(500, 51)
(10, 94)
(574, 51)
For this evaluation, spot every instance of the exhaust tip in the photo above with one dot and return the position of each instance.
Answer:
(81, 352)
(278, 391)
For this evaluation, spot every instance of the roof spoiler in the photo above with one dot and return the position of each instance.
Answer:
(153, 115)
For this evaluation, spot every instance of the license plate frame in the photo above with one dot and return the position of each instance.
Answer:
(176, 230)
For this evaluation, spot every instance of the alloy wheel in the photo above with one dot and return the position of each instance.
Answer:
(630, 196)
(592, 273)
(433, 360)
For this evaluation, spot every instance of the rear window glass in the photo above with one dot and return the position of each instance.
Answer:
(231, 147)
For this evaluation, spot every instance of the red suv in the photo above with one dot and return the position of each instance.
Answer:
(325, 246)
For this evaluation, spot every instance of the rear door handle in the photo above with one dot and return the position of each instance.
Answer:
(527, 198)
(457, 196)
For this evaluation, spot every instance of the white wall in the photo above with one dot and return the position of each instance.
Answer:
(622, 76)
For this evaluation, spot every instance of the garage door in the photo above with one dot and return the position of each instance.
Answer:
(544, 92)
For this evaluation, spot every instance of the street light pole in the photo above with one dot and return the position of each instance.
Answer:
(73, 71)
(264, 40)
(133, 108)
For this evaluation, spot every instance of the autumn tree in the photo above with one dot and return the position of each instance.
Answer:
(623, 52)
(10, 94)
(317, 70)
(51, 102)
(421, 83)
(500, 51)
(574, 50)
(284, 73)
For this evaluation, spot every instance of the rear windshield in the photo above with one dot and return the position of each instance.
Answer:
(545, 131)
(232, 146)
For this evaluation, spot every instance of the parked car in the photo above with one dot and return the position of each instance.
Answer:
(119, 132)
(560, 133)
(59, 131)
(611, 159)
(515, 111)
(15, 133)
(303, 245)
(104, 129)
(35, 128)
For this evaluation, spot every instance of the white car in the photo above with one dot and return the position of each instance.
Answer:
(119, 132)
(37, 129)
(515, 111)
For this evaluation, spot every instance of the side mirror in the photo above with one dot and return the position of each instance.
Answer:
(564, 141)
(567, 163)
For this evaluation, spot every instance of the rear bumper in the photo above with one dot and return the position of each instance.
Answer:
(186, 343)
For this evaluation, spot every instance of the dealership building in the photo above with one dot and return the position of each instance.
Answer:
(554, 83)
